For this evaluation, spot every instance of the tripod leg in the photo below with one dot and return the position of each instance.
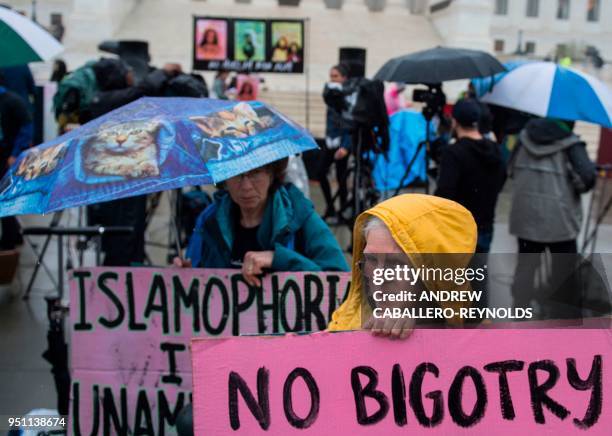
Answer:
(409, 168)
(60, 265)
(357, 177)
(173, 223)
(427, 147)
(39, 261)
(57, 216)
(601, 214)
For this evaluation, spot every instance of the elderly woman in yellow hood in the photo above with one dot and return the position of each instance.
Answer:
(414, 225)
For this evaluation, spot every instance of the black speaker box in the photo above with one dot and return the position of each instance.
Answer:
(355, 58)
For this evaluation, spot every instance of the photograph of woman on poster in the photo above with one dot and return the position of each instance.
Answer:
(248, 46)
(249, 37)
(287, 41)
(295, 53)
(281, 50)
(211, 40)
(210, 43)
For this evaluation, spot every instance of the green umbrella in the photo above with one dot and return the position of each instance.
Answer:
(23, 41)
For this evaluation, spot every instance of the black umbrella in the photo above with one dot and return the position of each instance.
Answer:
(438, 65)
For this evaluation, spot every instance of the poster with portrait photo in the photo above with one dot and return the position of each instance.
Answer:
(249, 40)
(211, 39)
(248, 45)
(287, 43)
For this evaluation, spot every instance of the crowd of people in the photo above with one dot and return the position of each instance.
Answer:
(263, 221)
(258, 222)
(548, 165)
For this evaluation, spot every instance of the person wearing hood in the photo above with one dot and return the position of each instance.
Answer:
(412, 225)
(550, 169)
(258, 224)
(472, 171)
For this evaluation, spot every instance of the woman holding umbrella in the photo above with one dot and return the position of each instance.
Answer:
(257, 223)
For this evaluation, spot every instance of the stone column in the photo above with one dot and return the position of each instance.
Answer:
(93, 21)
(463, 23)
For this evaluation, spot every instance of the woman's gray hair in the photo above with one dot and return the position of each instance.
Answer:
(372, 223)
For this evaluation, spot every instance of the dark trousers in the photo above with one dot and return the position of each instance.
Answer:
(556, 291)
(526, 246)
(325, 163)
(11, 233)
(125, 250)
(11, 230)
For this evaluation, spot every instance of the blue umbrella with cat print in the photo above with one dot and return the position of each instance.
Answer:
(150, 145)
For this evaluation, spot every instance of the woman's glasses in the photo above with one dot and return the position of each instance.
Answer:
(254, 176)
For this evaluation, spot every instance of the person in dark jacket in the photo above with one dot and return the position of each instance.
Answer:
(257, 223)
(19, 80)
(16, 132)
(550, 169)
(116, 88)
(472, 171)
(115, 82)
(337, 141)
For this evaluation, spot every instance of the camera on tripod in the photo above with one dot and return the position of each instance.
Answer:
(434, 99)
(361, 103)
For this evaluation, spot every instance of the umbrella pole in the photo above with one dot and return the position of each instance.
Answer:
(601, 214)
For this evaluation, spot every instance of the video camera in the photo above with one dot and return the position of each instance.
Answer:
(434, 99)
(361, 104)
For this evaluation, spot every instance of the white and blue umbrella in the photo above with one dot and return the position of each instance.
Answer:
(23, 41)
(482, 85)
(549, 90)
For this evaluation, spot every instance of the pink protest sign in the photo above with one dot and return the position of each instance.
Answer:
(466, 382)
(131, 329)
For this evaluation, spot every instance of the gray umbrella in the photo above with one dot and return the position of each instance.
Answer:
(438, 65)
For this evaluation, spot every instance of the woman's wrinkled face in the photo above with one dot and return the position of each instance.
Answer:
(250, 190)
(381, 252)
(379, 240)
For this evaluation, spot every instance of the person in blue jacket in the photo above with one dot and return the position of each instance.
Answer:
(258, 224)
